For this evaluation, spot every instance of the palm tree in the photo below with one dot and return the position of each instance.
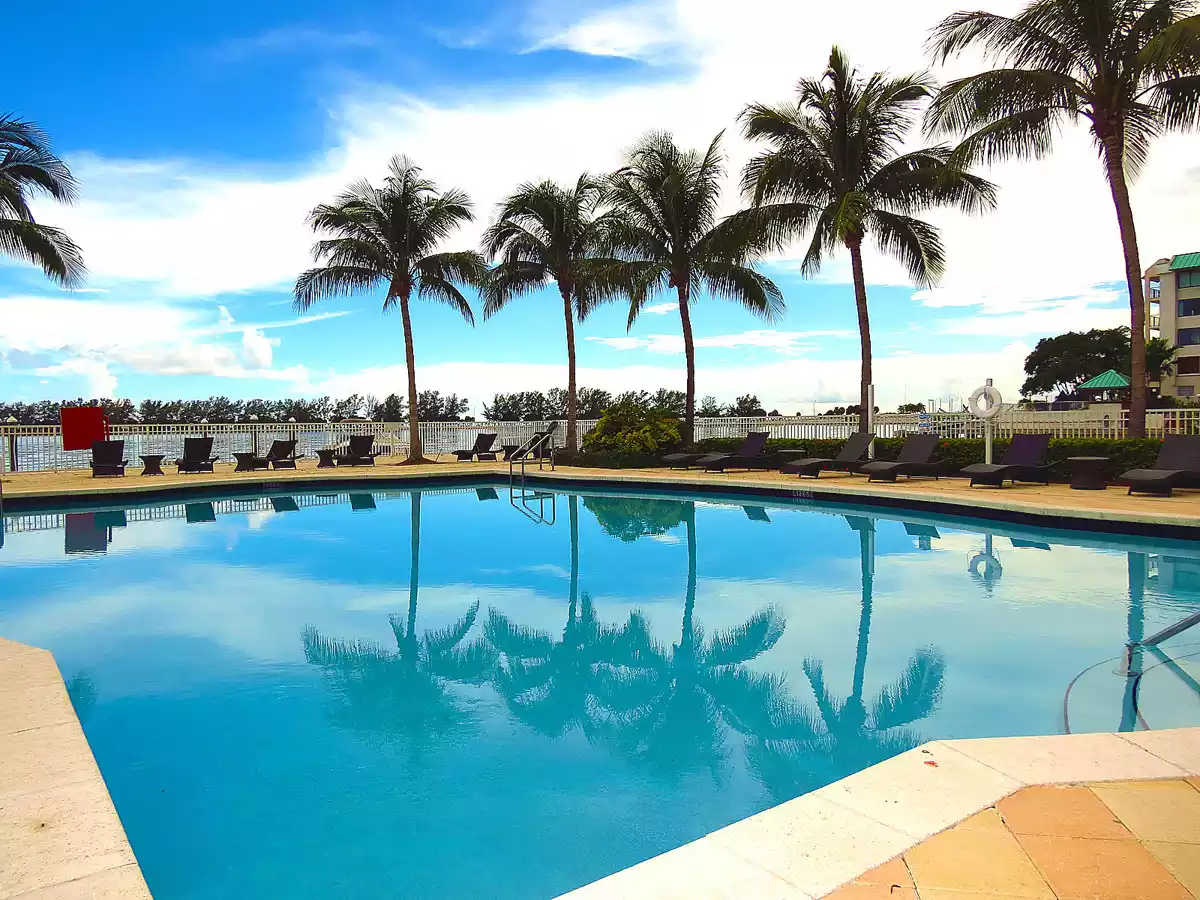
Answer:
(665, 225)
(390, 235)
(836, 167)
(27, 166)
(548, 233)
(1160, 359)
(402, 694)
(1129, 68)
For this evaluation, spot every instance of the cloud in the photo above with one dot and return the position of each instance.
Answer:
(293, 39)
(642, 31)
(660, 309)
(785, 342)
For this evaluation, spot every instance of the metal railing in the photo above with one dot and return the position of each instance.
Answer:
(39, 447)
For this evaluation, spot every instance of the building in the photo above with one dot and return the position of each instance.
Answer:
(1173, 298)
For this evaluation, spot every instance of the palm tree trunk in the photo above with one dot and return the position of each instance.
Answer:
(689, 605)
(415, 454)
(572, 401)
(414, 566)
(689, 353)
(866, 559)
(1135, 632)
(1115, 164)
(573, 505)
(864, 332)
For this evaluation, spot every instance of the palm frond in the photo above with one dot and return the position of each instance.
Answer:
(516, 641)
(752, 638)
(743, 285)
(916, 244)
(915, 695)
(45, 246)
(444, 638)
(324, 282)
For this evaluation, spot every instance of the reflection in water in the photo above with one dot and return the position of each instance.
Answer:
(401, 695)
(82, 691)
(985, 566)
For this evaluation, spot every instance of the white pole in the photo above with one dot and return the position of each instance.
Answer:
(871, 418)
(987, 447)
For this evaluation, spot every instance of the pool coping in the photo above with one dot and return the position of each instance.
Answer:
(808, 847)
(60, 835)
(986, 504)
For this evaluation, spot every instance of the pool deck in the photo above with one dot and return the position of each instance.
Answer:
(1111, 509)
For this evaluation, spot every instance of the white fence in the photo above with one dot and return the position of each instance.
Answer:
(39, 447)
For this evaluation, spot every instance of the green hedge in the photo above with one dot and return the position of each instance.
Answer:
(1130, 453)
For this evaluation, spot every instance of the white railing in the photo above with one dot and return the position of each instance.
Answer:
(39, 447)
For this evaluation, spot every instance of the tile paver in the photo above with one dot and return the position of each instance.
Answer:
(1155, 810)
(1181, 860)
(1090, 869)
(1066, 811)
(1179, 746)
(978, 860)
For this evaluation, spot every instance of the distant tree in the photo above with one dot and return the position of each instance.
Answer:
(389, 237)
(835, 411)
(264, 410)
(593, 402)
(1060, 364)
(745, 407)
(911, 408)
(349, 408)
(28, 167)
(390, 410)
(1160, 359)
(503, 408)
(774, 414)
(669, 403)
(434, 407)
(709, 408)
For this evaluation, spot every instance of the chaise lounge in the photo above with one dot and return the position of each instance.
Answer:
(751, 455)
(847, 459)
(752, 444)
(913, 460)
(1022, 461)
(1178, 465)
(358, 452)
(481, 450)
(283, 455)
(108, 459)
(197, 455)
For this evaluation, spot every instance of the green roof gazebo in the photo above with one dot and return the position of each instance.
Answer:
(1108, 385)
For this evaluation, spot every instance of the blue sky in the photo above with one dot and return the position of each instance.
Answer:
(202, 134)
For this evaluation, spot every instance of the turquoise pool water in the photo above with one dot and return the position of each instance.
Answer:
(450, 695)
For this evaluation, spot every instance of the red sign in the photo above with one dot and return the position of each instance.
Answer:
(82, 425)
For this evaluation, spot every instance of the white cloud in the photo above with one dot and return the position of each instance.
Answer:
(660, 309)
(291, 39)
(785, 342)
(642, 31)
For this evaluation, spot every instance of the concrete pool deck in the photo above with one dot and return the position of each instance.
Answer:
(1110, 509)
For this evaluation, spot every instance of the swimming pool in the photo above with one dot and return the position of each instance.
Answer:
(448, 694)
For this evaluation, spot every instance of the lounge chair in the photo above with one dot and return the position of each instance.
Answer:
(847, 459)
(199, 513)
(913, 460)
(481, 450)
(756, 514)
(358, 452)
(197, 455)
(914, 529)
(284, 504)
(283, 455)
(1022, 461)
(108, 458)
(486, 493)
(362, 502)
(1178, 465)
(751, 455)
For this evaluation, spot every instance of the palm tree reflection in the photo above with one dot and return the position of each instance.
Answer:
(402, 695)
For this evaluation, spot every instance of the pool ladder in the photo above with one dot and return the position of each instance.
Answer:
(541, 448)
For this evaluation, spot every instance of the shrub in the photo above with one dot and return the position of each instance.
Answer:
(631, 430)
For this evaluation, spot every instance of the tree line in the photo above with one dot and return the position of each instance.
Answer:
(835, 168)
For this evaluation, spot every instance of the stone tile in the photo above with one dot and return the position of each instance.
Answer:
(976, 860)
(33, 668)
(1067, 811)
(35, 707)
(892, 872)
(985, 820)
(701, 870)
(858, 891)
(941, 894)
(1101, 870)
(922, 791)
(124, 883)
(1065, 758)
(812, 843)
(42, 758)
(1194, 781)
(1179, 746)
(59, 835)
(11, 648)
(1155, 810)
(1181, 860)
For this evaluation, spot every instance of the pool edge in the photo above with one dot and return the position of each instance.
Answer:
(811, 846)
(66, 836)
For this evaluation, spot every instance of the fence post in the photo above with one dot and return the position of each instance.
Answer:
(12, 452)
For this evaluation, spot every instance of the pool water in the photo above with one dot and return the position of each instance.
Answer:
(452, 693)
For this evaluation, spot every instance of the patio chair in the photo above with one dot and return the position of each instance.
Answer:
(197, 455)
(284, 504)
(1178, 465)
(486, 493)
(283, 455)
(912, 460)
(108, 459)
(751, 446)
(1022, 461)
(362, 502)
(751, 455)
(847, 459)
(358, 452)
(756, 514)
(199, 513)
(481, 450)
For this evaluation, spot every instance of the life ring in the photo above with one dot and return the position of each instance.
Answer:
(994, 402)
(991, 567)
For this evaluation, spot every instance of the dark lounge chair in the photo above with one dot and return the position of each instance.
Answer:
(358, 452)
(913, 460)
(1022, 461)
(284, 504)
(1178, 465)
(751, 455)
(486, 493)
(481, 450)
(283, 455)
(108, 458)
(847, 459)
(756, 514)
(199, 513)
(197, 455)
(362, 502)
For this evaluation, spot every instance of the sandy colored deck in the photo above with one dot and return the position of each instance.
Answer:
(60, 838)
(1118, 840)
(1112, 505)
